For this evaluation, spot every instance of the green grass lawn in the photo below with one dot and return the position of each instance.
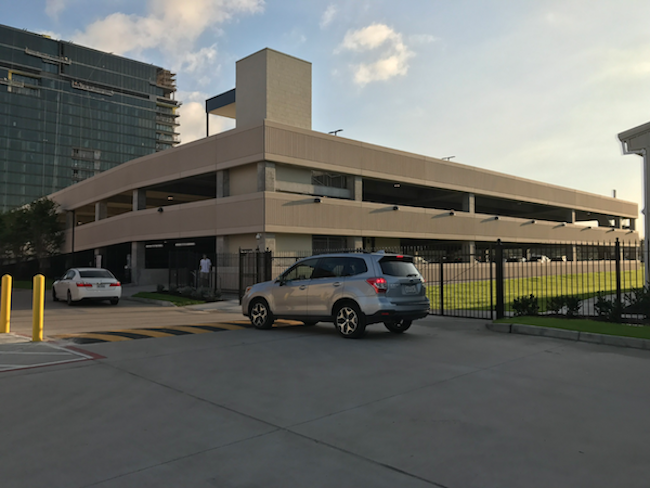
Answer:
(176, 300)
(28, 285)
(583, 325)
(475, 295)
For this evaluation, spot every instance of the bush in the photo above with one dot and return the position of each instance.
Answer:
(526, 306)
(160, 288)
(173, 289)
(556, 304)
(186, 291)
(573, 305)
(610, 310)
(638, 301)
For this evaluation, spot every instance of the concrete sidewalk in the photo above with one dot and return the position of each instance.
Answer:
(447, 404)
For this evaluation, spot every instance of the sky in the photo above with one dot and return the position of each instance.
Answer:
(533, 88)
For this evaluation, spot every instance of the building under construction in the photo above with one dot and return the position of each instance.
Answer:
(68, 112)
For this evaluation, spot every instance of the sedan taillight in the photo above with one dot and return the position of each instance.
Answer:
(116, 284)
(82, 284)
(379, 284)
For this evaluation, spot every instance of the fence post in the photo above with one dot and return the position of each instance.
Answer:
(442, 286)
(617, 260)
(5, 308)
(498, 261)
(241, 275)
(268, 265)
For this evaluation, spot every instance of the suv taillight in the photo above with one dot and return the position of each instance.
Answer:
(379, 284)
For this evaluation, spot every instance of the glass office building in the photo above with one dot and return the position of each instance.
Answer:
(68, 112)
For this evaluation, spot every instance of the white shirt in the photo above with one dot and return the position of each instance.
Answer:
(205, 265)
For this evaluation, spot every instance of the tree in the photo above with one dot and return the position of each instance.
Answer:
(32, 231)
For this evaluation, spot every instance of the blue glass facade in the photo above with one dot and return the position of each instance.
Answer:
(68, 112)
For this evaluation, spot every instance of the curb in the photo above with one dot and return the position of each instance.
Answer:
(150, 301)
(572, 335)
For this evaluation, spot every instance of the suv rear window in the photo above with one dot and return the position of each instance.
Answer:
(393, 266)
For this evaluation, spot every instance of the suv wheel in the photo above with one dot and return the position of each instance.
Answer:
(260, 314)
(349, 320)
(398, 326)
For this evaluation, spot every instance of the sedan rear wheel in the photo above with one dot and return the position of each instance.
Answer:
(398, 326)
(349, 321)
(54, 297)
(115, 301)
(69, 298)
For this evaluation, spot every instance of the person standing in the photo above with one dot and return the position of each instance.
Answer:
(204, 271)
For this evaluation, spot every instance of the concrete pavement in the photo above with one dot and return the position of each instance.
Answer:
(447, 404)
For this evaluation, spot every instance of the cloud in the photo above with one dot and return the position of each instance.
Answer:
(192, 118)
(54, 7)
(392, 60)
(171, 26)
(328, 16)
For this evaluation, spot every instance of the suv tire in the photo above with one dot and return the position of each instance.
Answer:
(260, 314)
(349, 320)
(398, 326)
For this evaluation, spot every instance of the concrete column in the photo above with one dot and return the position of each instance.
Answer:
(137, 261)
(101, 210)
(265, 176)
(632, 224)
(100, 257)
(355, 242)
(617, 222)
(223, 183)
(356, 185)
(571, 217)
(469, 203)
(469, 251)
(139, 199)
(267, 242)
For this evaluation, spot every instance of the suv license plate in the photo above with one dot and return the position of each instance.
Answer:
(409, 289)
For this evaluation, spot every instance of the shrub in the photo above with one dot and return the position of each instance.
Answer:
(556, 304)
(526, 305)
(186, 291)
(160, 288)
(573, 305)
(610, 310)
(173, 289)
(638, 300)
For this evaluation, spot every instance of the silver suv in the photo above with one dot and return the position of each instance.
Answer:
(351, 290)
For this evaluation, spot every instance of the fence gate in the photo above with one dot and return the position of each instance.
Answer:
(460, 283)
(254, 267)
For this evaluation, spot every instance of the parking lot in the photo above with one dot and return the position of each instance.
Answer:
(447, 404)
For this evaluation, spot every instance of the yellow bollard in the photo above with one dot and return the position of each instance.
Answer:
(5, 305)
(37, 305)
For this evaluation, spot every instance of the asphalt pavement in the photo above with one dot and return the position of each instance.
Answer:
(447, 404)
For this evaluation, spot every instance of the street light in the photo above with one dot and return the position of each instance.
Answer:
(335, 131)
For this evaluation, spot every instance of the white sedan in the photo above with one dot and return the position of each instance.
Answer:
(87, 284)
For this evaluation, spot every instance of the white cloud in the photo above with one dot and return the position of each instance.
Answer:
(328, 16)
(171, 26)
(192, 118)
(54, 7)
(390, 62)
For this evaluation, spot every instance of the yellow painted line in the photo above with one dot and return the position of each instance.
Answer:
(221, 325)
(103, 337)
(144, 332)
(187, 328)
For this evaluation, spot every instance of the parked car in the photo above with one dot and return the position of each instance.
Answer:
(87, 284)
(351, 290)
(539, 259)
